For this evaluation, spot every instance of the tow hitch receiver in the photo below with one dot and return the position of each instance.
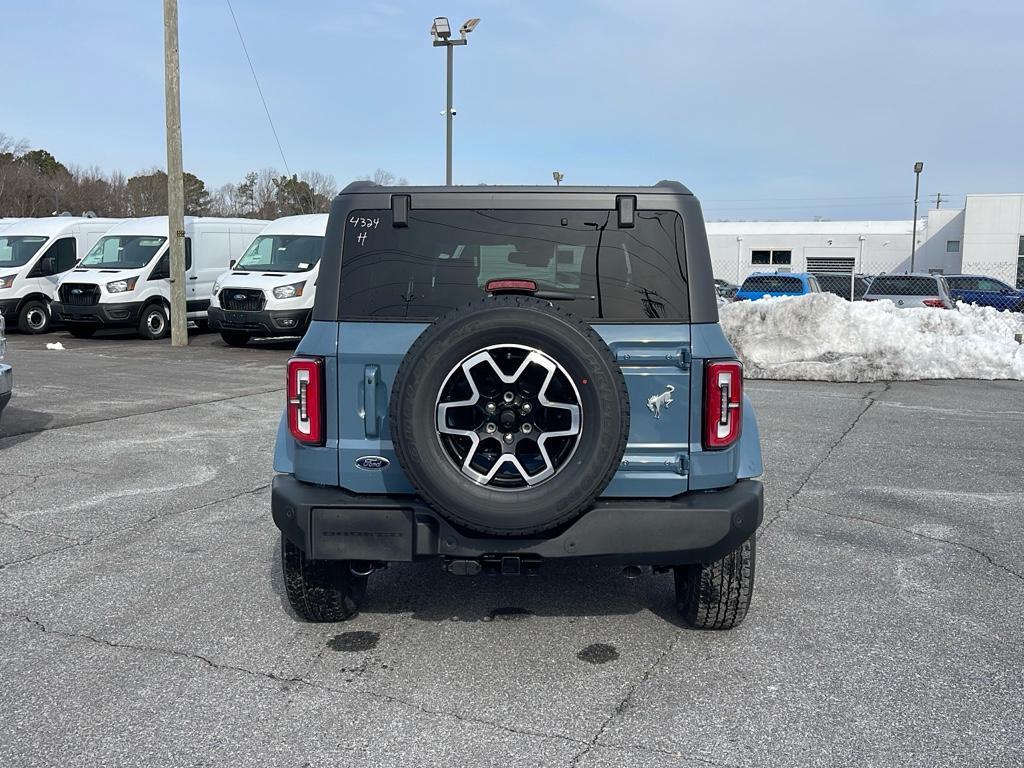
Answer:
(504, 565)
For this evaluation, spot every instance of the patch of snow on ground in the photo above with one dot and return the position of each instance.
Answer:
(821, 337)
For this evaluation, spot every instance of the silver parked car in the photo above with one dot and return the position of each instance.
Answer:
(914, 290)
(6, 376)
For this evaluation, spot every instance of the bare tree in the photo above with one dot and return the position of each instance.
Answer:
(386, 179)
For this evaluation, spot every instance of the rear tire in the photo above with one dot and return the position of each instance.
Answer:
(717, 595)
(34, 317)
(320, 590)
(83, 331)
(235, 338)
(153, 322)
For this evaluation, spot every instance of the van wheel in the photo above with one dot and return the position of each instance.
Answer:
(34, 317)
(83, 331)
(235, 338)
(320, 590)
(717, 595)
(153, 322)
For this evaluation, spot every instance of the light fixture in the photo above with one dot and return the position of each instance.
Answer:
(468, 26)
(441, 29)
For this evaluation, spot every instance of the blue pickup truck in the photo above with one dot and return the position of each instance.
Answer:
(474, 389)
(985, 292)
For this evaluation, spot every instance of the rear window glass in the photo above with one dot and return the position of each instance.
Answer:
(445, 258)
(772, 284)
(904, 285)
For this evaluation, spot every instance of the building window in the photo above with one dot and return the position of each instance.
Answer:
(952, 246)
(771, 257)
(1020, 246)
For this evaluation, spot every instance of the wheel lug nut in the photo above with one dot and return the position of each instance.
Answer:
(527, 408)
(491, 408)
(509, 397)
(527, 429)
(508, 437)
(491, 429)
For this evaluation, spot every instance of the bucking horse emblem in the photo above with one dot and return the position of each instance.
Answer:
(656, 402)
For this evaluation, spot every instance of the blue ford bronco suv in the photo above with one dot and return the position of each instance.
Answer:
(495, 377)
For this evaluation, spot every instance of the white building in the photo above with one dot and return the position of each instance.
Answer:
(985, 237)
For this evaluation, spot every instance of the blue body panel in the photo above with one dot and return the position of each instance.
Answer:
(751, 295)
(664, 456)
(1005, 298)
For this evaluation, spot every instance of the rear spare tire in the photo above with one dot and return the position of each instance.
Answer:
(509, 416)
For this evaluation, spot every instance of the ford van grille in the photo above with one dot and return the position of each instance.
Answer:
(80, 294)
(242, 299)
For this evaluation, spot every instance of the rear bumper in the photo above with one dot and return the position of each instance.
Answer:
(266, 322)
(332, 524)
(109, 315)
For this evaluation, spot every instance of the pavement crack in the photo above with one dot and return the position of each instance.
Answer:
(299, 681)
(869, 400)
(37, 532)
(952, 542)
(73, 543)
(626, 700)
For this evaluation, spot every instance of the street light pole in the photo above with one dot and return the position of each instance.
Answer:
(448, 120)
(918, 167)
(442, 33)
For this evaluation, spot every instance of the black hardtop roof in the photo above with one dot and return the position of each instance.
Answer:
(663, 187)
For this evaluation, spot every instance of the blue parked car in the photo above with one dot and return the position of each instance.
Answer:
(474, 390)
(761, 284)
(985, 292)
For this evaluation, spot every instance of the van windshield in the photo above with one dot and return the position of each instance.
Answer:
(281, 253)
(16, 250)
(124, 252)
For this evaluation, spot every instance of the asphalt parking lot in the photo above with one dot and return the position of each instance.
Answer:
(144, 622)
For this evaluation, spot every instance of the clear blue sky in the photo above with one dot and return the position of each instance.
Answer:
(778, 109)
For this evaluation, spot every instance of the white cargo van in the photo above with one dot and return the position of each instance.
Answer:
(34, 255)
(123, 282)
(270, 291)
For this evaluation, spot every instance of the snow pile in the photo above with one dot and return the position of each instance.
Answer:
(822, 337)
(55, 345)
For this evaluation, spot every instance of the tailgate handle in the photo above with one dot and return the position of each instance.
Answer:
(371, 375)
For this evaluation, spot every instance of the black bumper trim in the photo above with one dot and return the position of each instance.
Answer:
(265, 322)
(9, 308)
(109, 315)
(330, 523)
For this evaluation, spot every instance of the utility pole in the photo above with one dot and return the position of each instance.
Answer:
(442, 33)
(918, 167)
(938, 200)
(175, 176)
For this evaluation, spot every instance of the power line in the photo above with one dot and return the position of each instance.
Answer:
(259, 90)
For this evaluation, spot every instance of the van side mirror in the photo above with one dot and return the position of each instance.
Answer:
(231, 264)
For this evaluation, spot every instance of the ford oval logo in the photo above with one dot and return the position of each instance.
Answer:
(239, 297)
(76, 291)
(372, 463)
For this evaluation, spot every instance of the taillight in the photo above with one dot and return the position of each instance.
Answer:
(723, 403)
(306, 399)
(935, 303)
